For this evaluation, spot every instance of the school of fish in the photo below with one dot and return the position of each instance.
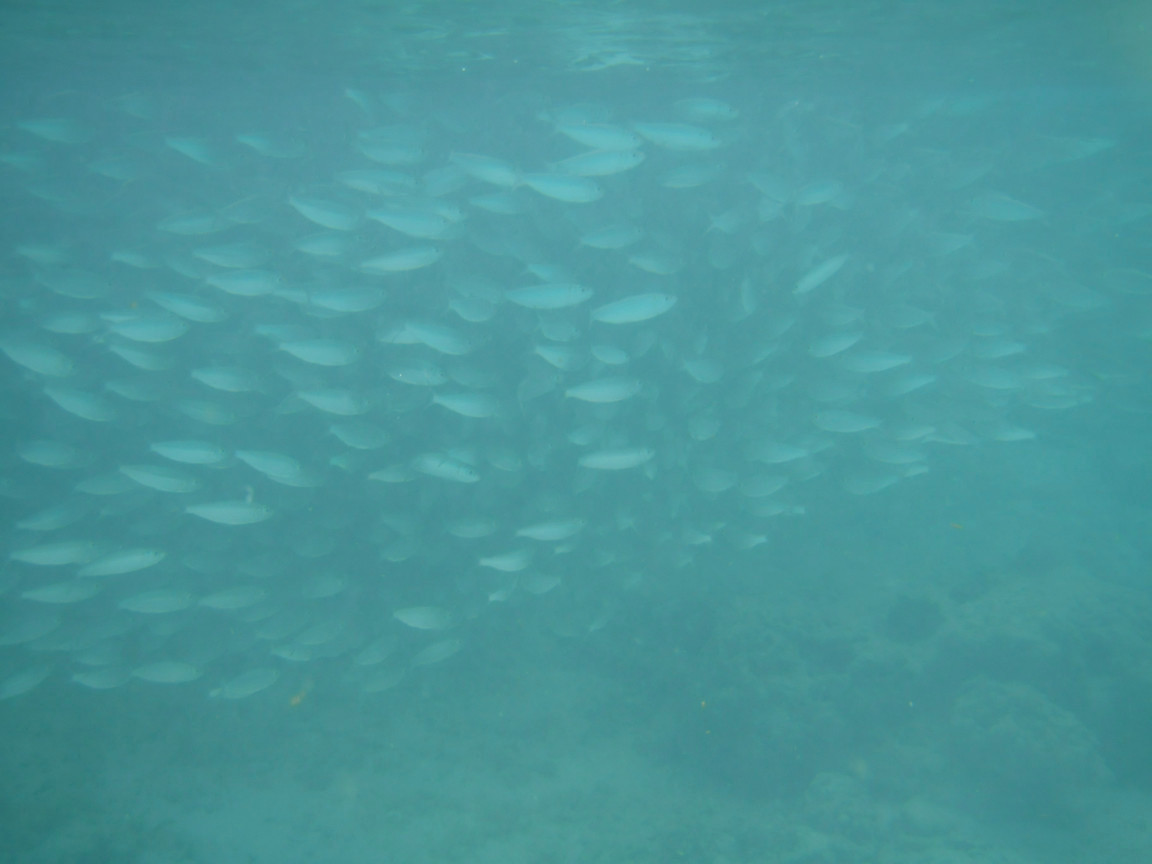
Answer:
(319, 402)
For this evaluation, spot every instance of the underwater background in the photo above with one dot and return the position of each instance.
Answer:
(575, 432)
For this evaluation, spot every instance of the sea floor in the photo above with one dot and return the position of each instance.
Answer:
(555, 766)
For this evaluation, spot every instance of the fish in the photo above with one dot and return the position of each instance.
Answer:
(487, 169)
(678, 136)
(599, 136)
(402, 260)
(571, 189)
(231, 512)
(539, 584)
(168, 672)
(475, 405)
(418, 374)
(819, 274)
(834, 420)
(71, 591)
(437, 652)
(245, 283)
(189, 308)
(868, 362)
(29, 629)
(24, 681)
(439, 337)
(56, 554)
(416, 222)
(997, 207)
(616, 235)
(703, 109)
(512, 561)
(106, 678)
(425, 617)
(333, 400)
(278, 467)
(322, 352)
(347, 300)
(123, 561)
(78, 403)
(229, 379)
(190, 452)
(152, 328)
(604, 390)
(559, 295)
(834, 343)
(246, 684)
(235, 597)
(634, 309)
(445, 468)
(325, 213)
(38, 358)
(162, 601)
(616, 459)
(601, 163)
(554, 530)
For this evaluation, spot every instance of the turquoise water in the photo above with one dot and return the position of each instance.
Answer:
(575, 433)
